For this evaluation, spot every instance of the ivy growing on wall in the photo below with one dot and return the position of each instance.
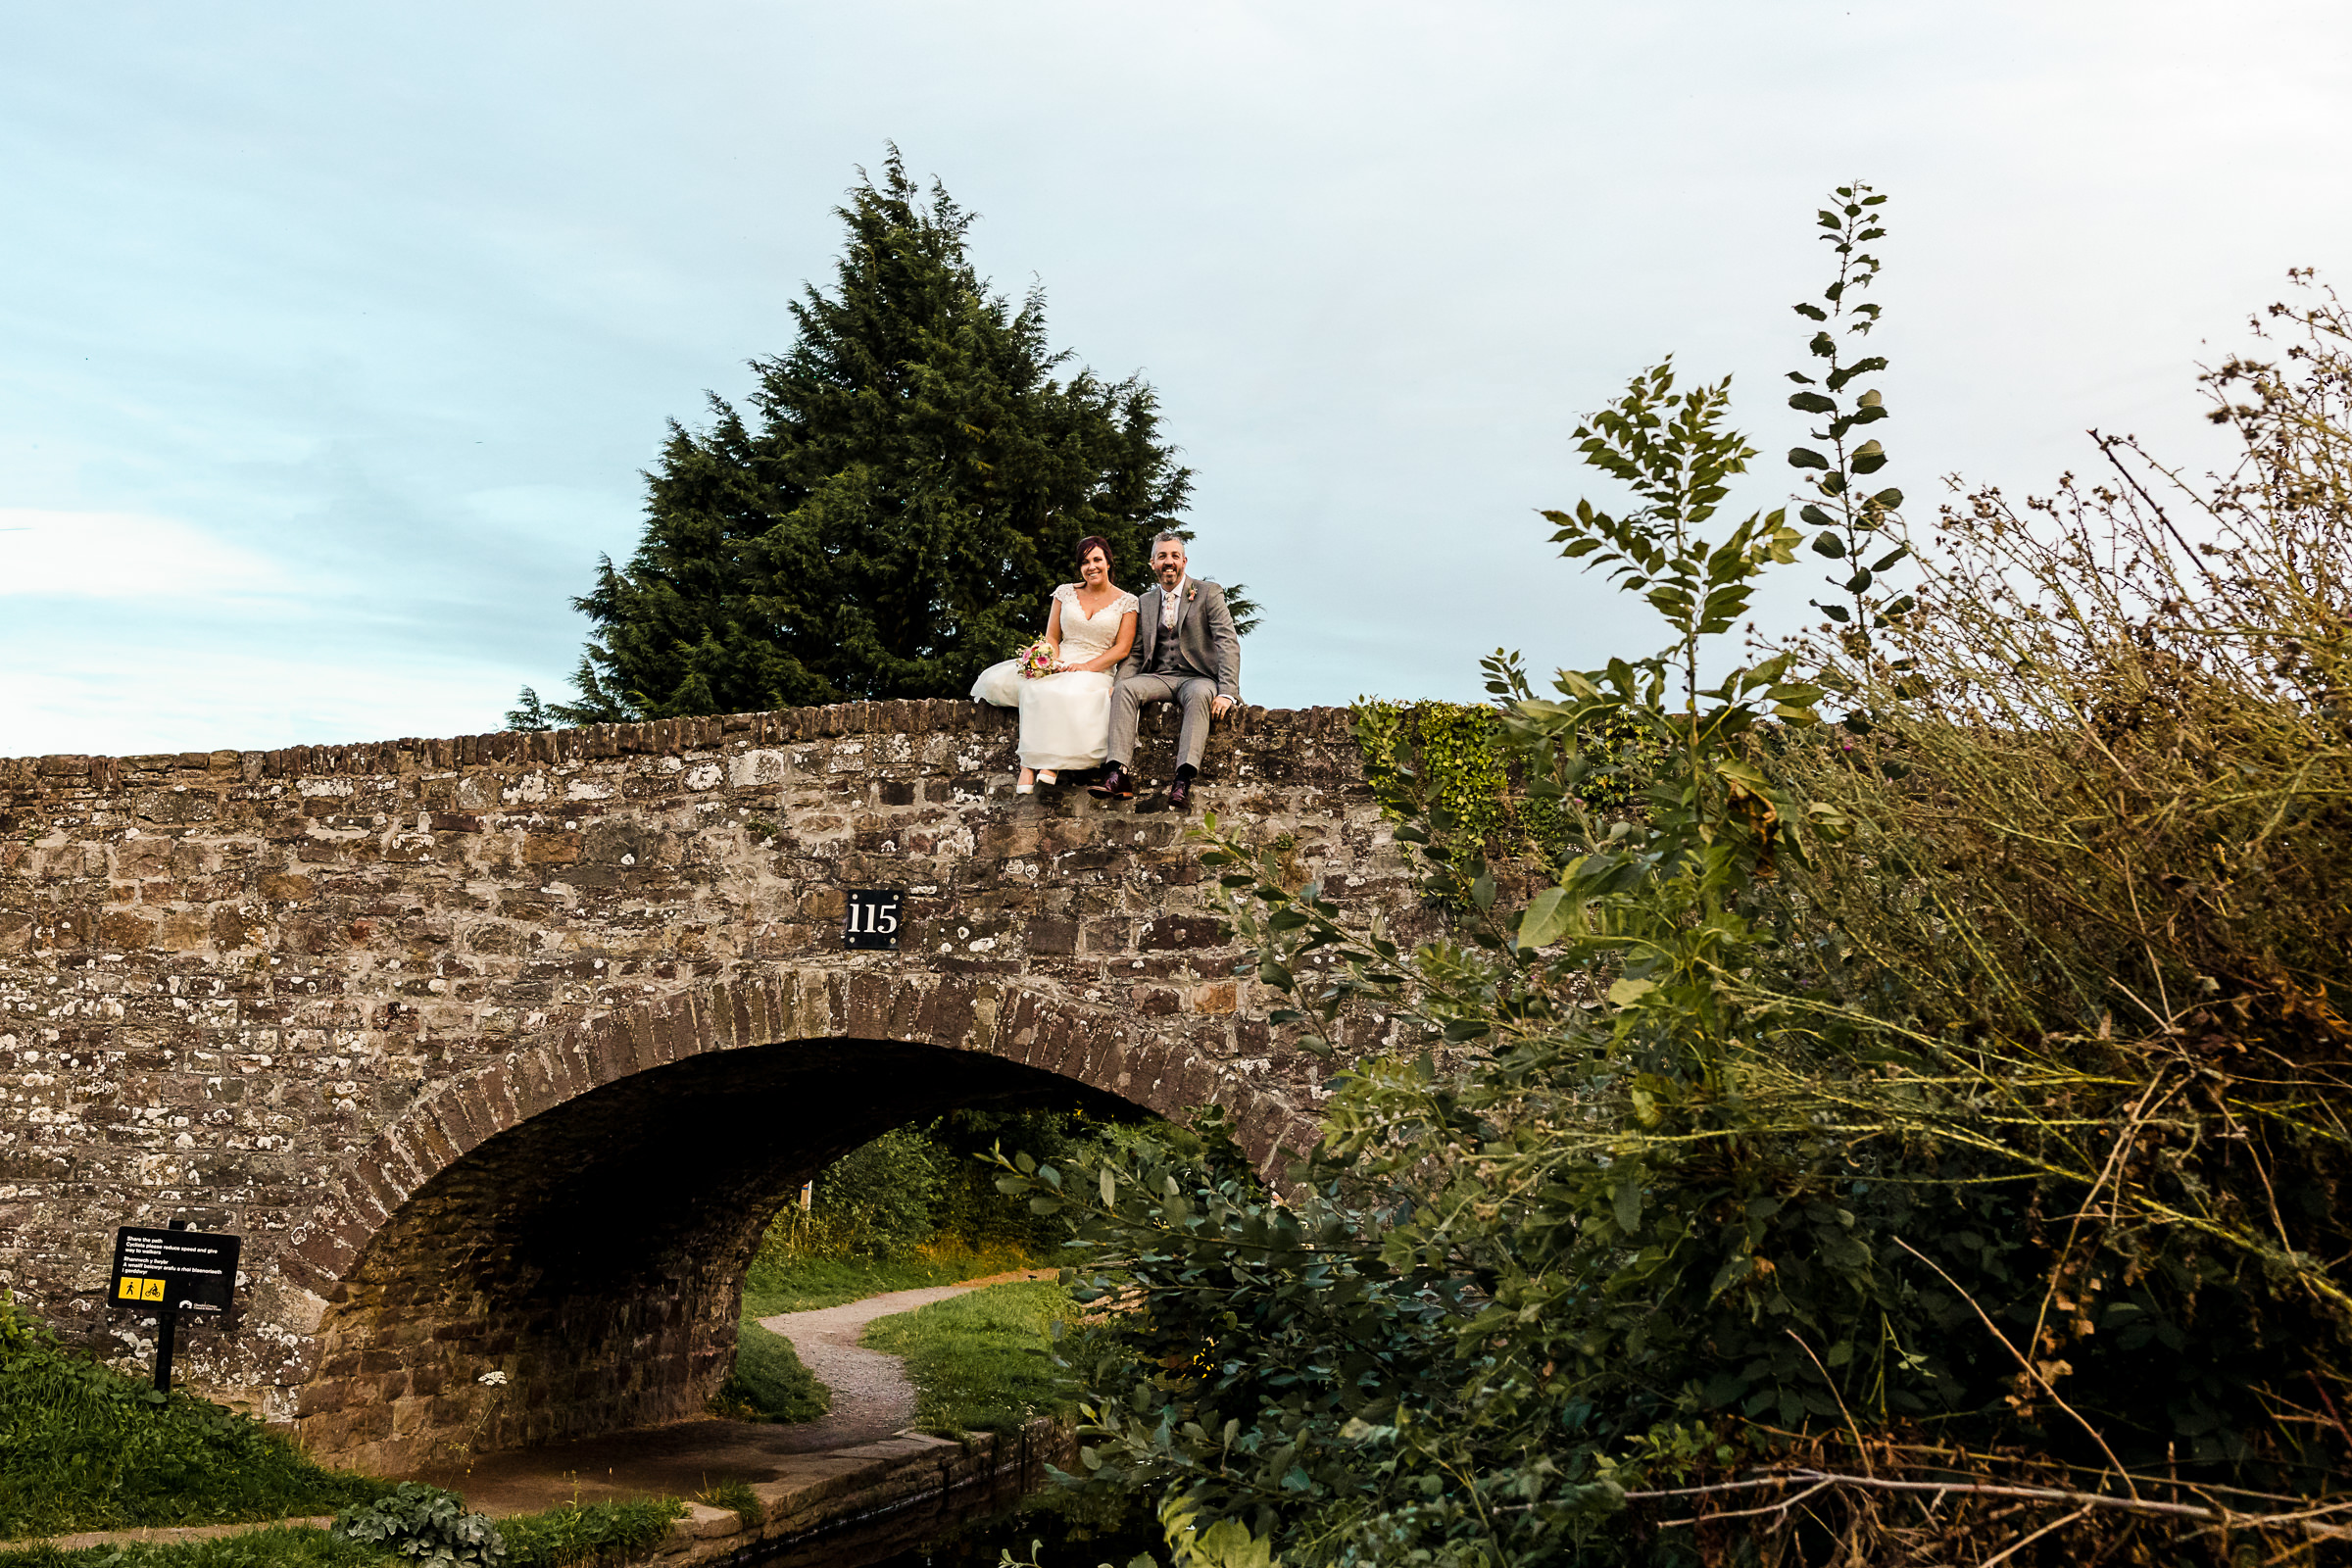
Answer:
(1446, 759)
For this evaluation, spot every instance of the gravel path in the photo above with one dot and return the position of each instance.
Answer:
(872, 1395)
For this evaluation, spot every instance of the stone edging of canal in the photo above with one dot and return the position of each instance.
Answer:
(899, 1489)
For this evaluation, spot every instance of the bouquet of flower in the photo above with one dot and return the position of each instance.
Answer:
(1037, 659)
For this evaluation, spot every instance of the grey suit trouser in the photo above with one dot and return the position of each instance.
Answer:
(1191, 693)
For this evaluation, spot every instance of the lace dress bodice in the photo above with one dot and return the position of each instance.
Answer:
(1084, 636)
(1065, 716)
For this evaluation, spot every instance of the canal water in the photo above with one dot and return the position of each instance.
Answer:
(1035, 1534)
(1017, 1511)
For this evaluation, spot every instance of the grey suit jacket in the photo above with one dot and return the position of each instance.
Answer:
(1205, 644)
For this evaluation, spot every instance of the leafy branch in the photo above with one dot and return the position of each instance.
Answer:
(1852, 524)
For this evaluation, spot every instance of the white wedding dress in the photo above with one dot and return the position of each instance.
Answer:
(1065, 717)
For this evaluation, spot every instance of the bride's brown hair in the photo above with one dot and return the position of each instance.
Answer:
(1091, 543)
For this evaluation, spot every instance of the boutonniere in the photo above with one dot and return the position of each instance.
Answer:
(1190, 594)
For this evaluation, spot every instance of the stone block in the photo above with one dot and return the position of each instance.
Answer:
(285, 887)
(1180, 931)
(1221, 997)
(232, 927)
(703, 1522)
(185, 929)
(550, 848)
(1105, 937)
(322, 1394)
(121, 928)
(1051, 934)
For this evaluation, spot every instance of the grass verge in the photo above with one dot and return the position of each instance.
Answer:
(804, 1283)
(981, 1362)
(83, 1446)
(769, 1383)
(275, 1547)
(598, 1533)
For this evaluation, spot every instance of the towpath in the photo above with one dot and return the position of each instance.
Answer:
(872, 1399)
(871, 1395)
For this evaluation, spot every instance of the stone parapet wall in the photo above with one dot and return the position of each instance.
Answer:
(498, 1050)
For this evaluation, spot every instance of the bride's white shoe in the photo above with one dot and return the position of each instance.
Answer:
(1045, 775)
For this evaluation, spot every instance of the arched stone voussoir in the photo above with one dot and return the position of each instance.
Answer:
(1085, 1043)
(1102, 1046)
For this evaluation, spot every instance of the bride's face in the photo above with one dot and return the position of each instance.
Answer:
(1095, 570)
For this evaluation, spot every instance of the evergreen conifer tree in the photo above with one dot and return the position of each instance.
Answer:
(888, 517)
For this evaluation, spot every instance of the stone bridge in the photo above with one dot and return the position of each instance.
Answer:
(499, 1051)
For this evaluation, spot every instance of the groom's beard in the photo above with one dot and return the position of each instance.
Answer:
(1169, 579)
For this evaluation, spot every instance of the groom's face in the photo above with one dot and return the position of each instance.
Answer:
(1167, 563)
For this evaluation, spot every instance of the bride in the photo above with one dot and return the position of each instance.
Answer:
(1065, 714)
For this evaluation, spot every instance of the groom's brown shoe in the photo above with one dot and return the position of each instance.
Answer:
(1113, 785)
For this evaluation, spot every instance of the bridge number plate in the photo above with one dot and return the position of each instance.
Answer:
(183, 1271)
(874, 918)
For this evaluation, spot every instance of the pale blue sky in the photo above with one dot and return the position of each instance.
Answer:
(332, 341)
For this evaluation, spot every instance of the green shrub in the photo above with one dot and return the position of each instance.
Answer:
(969, 1206)
(878, 1198)
(596, 1533)
(83, 1446)
(1940, 1112)
(918, 1185)
(769, 1383)
(429, 1527)
(782, 1282)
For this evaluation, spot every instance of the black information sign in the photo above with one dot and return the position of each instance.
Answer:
(173, 1272)
(874, 918)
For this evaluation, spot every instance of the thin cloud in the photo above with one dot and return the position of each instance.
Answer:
(124, 555)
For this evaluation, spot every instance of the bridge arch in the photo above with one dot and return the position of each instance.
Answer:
(578, 1216)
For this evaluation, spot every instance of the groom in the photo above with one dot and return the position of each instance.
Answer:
(1185, 650)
